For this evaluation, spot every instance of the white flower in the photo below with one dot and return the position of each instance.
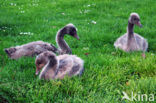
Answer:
(80, 12)
(94, 22)
(88, 5)
(85, 48)
(34, 4)
(11, 4)
(86, 11)
(26, 33)
(22, 11)
(63, 13)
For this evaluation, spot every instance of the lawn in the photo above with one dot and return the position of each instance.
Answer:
(108, 72)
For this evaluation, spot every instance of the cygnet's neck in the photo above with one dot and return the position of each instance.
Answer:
(130, 33)
(49, 68)
(61, 42)
(52, 64)
(130, 28)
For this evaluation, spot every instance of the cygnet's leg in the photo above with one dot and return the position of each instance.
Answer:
(143, 55)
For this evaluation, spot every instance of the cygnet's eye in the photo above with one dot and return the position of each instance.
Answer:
(72, 31)
(135, 19)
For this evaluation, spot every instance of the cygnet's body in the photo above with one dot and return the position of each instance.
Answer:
(132, 41)
(57, 67)
(30, 49)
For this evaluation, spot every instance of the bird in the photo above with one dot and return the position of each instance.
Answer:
(131, 41)
(36, 47)
(30, 49)
(69, 29)
(57, 67)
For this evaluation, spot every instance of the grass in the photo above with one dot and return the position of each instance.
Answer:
(107, 73)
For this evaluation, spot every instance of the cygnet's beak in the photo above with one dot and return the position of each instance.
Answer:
(6, 50)
(77, 37)
(139, 24)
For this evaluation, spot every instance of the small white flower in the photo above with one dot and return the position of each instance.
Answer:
(94, 22)
(11, 4)
(86, 11)
(85, 48)
(34, 4)
(88, 5)
(80, 12)
(4, 27)
(22, 11)
(26, 33)
(63, 13)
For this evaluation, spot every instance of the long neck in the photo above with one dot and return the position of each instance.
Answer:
(61, 42)
(53, 64)
(50, 69)
(130, 32)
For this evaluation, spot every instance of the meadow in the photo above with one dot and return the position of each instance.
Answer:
(108, 72)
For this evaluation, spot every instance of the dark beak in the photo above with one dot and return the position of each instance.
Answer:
(139, 24)
(6, 51)
(77, 37)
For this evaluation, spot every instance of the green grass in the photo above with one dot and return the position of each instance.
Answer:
(107, 73)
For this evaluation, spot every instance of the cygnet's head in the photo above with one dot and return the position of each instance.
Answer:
(71, 30)
(41, 60)
(10, 51)
(135, 19)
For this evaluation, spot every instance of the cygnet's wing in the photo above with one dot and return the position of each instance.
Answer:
(65, 66)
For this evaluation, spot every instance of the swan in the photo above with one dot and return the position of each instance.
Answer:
(57, 67)
(69, 29)
(37, 47)
(132, 41)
